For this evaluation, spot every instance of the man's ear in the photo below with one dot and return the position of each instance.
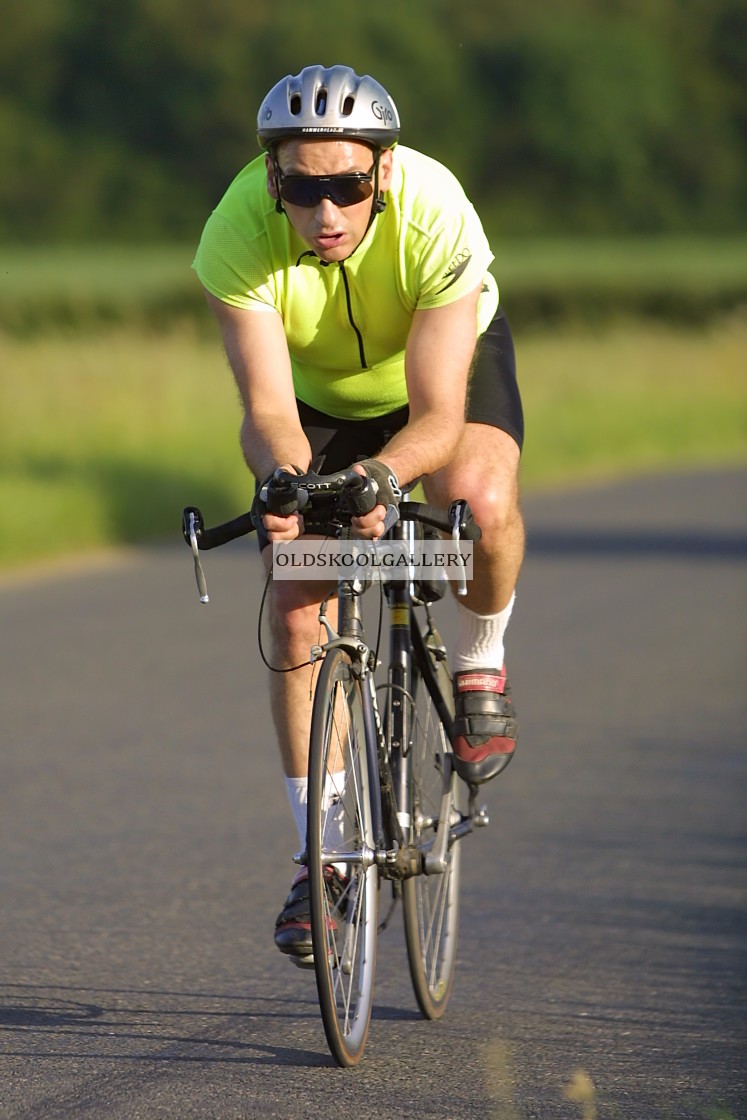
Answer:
(386, 165)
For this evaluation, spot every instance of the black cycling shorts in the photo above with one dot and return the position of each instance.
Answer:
(493, 398)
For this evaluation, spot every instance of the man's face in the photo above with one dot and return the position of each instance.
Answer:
(332, 231)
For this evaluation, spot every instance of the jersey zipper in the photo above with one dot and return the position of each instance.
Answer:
(353, 324)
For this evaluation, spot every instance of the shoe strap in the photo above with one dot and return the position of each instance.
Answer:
(481, 680)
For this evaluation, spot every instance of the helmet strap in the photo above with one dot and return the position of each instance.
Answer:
(272, 152)
(379, 202)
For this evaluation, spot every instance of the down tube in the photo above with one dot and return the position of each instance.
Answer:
(400, 692)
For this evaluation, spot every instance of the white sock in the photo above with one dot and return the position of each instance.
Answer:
(334, 828)
(298, 796)
(480, 640)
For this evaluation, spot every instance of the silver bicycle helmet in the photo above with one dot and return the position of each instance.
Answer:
(328, 102)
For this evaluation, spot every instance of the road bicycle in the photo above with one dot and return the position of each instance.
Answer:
(384, 801)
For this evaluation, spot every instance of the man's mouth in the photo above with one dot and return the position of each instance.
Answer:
(329, 240)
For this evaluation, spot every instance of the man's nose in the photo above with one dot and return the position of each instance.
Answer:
(327, 209)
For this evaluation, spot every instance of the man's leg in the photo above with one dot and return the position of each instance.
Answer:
(484, 471)
(294, 620)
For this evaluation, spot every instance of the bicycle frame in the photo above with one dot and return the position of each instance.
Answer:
(401, 817)
(387, 747)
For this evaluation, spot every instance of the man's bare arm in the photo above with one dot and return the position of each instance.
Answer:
(439, 352)
(257, 351)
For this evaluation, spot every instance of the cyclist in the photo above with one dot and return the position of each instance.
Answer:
(349, 277)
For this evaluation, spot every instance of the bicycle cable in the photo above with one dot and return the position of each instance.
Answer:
(272, 668)
(304, 664)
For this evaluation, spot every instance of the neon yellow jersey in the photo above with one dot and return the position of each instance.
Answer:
(347, 323)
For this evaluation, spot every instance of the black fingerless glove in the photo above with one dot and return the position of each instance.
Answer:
(386, 488)
(274, 496)
(385, 481)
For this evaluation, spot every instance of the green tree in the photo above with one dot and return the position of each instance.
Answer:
(122, 119)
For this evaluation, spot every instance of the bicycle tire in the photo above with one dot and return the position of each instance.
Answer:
(340, 823)
(431, 902)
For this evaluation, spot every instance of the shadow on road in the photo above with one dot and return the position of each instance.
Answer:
(143, 1025)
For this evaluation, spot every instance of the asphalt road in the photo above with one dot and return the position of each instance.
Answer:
(145, 843)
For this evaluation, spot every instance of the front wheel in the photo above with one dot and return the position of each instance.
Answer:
(343, 879)
(431, 902)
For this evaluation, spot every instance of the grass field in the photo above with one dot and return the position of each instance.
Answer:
(104, 436)
(546, 281)
(73, 288)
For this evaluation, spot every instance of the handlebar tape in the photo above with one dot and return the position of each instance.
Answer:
(220, 534)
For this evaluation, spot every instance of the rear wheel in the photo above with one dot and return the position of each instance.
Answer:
(343, 879)
(431, 902)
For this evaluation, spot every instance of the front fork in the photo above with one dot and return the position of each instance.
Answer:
(387, 830)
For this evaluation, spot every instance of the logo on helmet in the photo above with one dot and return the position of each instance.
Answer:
(382, 112)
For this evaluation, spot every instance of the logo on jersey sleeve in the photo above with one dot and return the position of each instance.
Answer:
(457, 267)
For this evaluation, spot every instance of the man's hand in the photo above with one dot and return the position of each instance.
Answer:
(371, 526)
(278, 526)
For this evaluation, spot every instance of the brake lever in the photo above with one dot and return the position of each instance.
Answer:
(457, 511)
(199, 573)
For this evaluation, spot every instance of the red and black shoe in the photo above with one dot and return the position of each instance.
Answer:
(293, 926)
(485, 727)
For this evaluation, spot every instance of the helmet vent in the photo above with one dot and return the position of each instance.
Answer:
(321, 103)
(347, 106)
(295, 104)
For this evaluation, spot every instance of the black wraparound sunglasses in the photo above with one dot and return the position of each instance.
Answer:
(309, 190)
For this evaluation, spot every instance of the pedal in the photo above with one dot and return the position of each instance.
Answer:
(478, 817)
